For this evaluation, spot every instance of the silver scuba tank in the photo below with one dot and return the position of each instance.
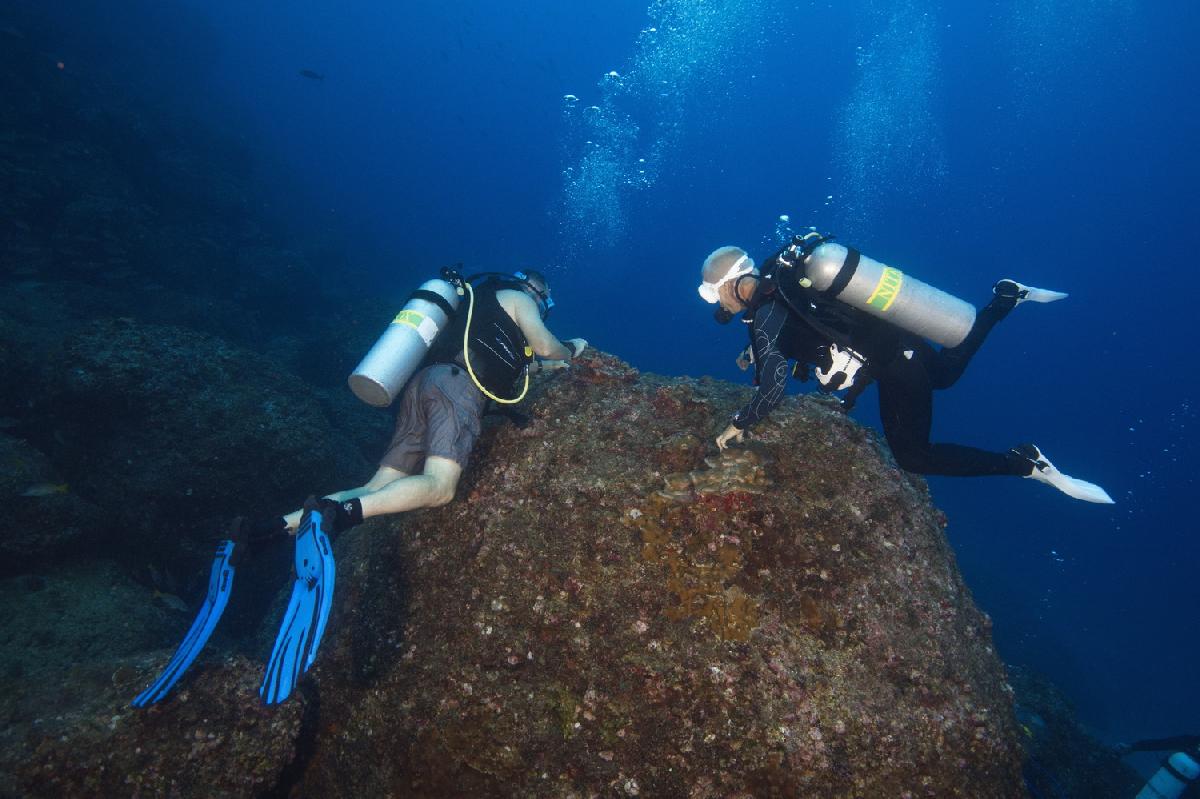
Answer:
(398, 353)
(1172, 779)
(889, 294)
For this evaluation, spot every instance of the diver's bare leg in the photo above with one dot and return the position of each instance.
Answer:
(382, 477)
(434, 487)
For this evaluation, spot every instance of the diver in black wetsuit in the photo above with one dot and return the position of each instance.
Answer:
(848, 348)
(1176, 743)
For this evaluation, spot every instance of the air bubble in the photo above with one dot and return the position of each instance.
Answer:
(619, 146)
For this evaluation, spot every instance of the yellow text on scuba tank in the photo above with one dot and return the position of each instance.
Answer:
(426, 328)
(887, 289)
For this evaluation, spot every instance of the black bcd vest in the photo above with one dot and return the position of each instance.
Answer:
(828, 319)
(497, 344)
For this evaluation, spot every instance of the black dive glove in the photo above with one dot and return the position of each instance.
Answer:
(340, 515)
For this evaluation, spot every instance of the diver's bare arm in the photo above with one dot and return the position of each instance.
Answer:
(544, 343)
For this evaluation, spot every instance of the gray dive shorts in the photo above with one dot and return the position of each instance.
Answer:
(441, 413)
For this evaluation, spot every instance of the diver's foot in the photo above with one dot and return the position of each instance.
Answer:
(1042, 470)
(1021, 293)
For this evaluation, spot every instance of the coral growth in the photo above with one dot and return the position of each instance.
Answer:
(574, 625)
(733, 471)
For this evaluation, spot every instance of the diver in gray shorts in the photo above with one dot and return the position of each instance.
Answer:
(441, 409)
(479, 355)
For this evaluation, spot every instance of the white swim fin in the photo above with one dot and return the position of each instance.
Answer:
(1023, 293)
(1045, 472)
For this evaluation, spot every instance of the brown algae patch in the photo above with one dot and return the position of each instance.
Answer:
(734, 470)
(687, 530)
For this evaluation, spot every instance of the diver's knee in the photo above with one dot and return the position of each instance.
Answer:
(441, 494)
(443, 474)
(384, 476)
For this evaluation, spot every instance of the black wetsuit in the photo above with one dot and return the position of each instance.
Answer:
(1176, 743)
(788, 322)
(499, 351)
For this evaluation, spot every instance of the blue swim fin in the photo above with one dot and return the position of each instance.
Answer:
(307, 612)
(220, 583)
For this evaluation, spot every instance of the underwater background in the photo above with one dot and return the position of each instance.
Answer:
(615, 144)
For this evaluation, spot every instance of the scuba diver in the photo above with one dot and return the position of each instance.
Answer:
(442, 406)
(1179, 774)
(446, 362)
(851, 321)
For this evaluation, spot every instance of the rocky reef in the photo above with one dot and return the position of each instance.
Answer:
(163, 429)
(1064, 761)
(608, 608)
(159, 364)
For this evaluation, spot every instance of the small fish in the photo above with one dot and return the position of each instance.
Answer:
(7, 423)
(45, 490)
(171, 601)
(308, 73)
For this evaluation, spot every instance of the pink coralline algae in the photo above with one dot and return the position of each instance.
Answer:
(612, 608)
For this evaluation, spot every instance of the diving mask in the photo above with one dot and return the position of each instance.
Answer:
(543, 299)
(710, 292)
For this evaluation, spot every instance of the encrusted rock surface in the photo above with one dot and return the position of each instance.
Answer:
(137, 431)
(212, 741)
(38, 529)
(609, 609)
(1062, 759)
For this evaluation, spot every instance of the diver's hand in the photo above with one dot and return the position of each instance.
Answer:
(745, 358)
(577, 346)
(730, 433)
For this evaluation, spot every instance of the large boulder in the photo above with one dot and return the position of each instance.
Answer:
(171, 430)
(69, 638)
(611, 608)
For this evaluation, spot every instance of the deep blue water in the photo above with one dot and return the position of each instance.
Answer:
(1051, 142)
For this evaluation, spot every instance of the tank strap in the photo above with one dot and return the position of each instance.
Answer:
(801, 311)
(845, 274)
(435, 298)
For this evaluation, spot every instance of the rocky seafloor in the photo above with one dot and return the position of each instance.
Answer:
(609, 608)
